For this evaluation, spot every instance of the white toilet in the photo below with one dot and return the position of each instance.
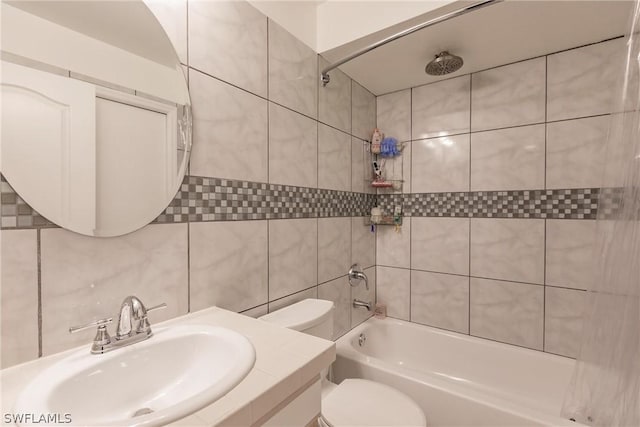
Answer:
(354, 402)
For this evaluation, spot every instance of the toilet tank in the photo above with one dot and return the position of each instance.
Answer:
(311, 316)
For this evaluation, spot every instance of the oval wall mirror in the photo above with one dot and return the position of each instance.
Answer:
(96, 115)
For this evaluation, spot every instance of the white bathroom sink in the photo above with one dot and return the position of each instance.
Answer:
(176, 372)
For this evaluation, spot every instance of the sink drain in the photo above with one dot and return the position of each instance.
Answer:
(142, 411)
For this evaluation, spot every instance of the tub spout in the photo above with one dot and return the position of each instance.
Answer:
(358, 303)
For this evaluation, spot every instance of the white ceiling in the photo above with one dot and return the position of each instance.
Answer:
(129, 25)
(495, 35)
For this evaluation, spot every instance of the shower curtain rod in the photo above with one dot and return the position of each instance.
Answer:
(324, 75)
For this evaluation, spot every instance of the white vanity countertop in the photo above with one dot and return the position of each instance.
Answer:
(285, 361)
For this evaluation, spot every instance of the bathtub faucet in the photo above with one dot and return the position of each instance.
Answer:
(356, 273)
(358, 303)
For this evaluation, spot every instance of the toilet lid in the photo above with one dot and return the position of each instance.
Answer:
(357, 402)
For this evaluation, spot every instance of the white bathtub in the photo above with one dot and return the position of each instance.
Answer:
(458, 380)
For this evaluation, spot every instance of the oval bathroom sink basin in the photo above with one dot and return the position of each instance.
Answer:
(176, 372)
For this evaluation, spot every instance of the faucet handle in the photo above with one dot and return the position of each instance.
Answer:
(100, 323)
(157, 307)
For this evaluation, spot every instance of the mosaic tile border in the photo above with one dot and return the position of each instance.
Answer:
(581, 203)
(215, 199)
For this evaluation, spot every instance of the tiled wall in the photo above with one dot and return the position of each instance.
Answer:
(270, 214)
(503, 171)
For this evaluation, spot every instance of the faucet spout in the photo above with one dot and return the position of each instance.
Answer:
(358, 303)
(132, 319)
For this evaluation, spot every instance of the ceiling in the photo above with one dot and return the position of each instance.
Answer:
(499, 34)
(128, 25)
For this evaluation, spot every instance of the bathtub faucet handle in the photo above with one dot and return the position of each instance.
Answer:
(356, 273)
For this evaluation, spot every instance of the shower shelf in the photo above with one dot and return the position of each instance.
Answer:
(386, 220)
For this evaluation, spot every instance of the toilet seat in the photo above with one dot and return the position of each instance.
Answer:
(358, 402)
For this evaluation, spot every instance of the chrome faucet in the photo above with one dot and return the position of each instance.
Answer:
(358, 303)
(133, 326)
(356, 273)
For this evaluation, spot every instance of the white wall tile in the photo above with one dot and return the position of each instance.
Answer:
(229, 142)
(363, 112)
(508, 312)
(564, 312)
(393, 288)
(508, 159)
(228, 264)
(339, 292)
(228, 40)
(293, 152)
(440, 244)
(571, 256)
(19, 296)
(334, 159)
(576, 152)
(293, 256)
(360, 167)
(334, 99)
(363, 243)
(440, 164)
(394, 114)
(508, 249)
(580, 81)
(510, 95)
(360, 314)
(441, 108)
(334, 248)
(85, 278)
(393, 248)
(292, 72)
(440, 300)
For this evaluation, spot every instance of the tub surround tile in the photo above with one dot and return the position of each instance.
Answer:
(292, 72)
(334, 248)
(440, 164)
(507, 312)
(360, 314)
(293, 142)
(441, 108)
(361, 174)
(230, 141)
(576, 152)
(508, 249)
(334, 159)
(228, 40)
(510, 95)
(571, 258)
(564, 310)
(393, 249)
(338, 291)
(363, 243)
(440, 245)
(394, 114)
(334, 100)
(393, 290)
(228, 264)
(85, 278)
(293, 248)
(508, 159)
(363, 112)
(440, 300)
(19, 296)
(277, 304)
(580, 81)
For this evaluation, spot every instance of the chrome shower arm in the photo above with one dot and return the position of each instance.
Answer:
(324, 75)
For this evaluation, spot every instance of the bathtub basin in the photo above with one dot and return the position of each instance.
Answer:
(174, 373)
(456, 379)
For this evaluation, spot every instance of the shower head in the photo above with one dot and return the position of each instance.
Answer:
(443, 63)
